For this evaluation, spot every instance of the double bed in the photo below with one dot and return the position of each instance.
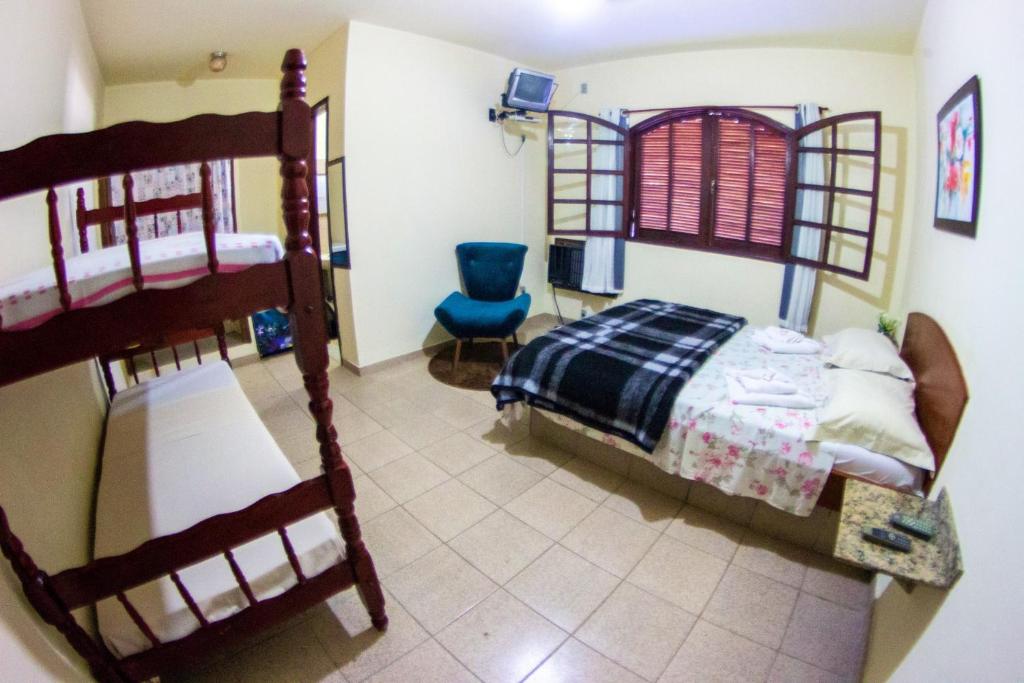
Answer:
(763, 452)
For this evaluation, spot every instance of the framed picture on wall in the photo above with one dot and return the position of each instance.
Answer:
(958, 179)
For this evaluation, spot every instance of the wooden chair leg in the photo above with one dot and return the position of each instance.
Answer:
(504, 350)
(455, 361)
(515, 340)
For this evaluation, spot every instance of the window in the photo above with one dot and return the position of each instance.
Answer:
(724, 180)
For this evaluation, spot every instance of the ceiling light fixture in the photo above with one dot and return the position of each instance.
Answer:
(218, 60)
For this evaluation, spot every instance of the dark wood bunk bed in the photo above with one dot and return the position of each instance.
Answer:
(146, 315)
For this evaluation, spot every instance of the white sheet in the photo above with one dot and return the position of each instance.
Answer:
(876, 468)
(101, 276)
(178, 450)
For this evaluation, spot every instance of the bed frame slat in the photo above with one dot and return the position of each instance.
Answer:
(240, 577)
(81, 221)
(137, 619)
(131, 228)
(189, 600)
(289, 550)
(209, 227)
(57, 250)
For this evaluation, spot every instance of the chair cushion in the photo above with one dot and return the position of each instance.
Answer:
(465, 318)
(491, 270)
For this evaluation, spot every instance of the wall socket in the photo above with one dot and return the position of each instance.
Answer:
(584, 87)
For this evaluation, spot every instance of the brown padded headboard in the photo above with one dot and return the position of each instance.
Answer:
(941, 391)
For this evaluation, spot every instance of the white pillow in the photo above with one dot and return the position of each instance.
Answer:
(875, 412)
(857, 348)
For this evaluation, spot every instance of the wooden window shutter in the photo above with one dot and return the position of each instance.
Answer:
(840, 237)
(669, 178)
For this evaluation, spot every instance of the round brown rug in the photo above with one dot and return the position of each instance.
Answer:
(479, 364)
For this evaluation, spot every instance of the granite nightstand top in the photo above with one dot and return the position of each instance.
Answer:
(936, 562)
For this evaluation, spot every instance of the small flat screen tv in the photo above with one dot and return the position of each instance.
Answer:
(529, 90)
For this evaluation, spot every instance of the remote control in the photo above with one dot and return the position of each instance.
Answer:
(919, 526)
(889, 539)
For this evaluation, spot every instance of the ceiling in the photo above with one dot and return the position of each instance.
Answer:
(148, 40)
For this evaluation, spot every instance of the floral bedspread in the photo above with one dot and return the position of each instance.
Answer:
(752, 451)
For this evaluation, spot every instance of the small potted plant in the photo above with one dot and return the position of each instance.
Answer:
(888, 326)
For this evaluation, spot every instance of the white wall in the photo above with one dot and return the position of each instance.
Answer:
(843, 80)
(426, 171)
(973, 287)
(49, 426)
(257, 184)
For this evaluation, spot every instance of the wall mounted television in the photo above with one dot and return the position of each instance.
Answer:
(529, 90)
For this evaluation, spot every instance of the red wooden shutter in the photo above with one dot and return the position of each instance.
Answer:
(669, 178)
(733, 171)
(841, 240)
(768, 212)
(687, 152)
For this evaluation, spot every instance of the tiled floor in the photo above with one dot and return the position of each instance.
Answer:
(504, 558)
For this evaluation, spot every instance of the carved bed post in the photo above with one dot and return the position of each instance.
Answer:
(80, 220)
(309, 327)
(40, 595)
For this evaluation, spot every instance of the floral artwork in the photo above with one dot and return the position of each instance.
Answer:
(959, 161)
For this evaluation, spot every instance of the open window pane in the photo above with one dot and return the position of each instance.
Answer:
(837, 193)
(586, 172)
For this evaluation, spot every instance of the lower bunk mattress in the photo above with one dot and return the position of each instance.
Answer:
(178, 450)
(105, 275)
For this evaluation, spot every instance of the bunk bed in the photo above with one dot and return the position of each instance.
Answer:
(228, 546)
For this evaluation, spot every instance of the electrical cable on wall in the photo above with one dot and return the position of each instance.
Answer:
(504, 143)
(561, 320)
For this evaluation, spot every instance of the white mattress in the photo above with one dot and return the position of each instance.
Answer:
(178, 450)
(101, 276)
(876, 468)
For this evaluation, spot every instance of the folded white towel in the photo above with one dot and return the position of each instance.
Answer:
(775, 345)
(741, 397)
(783, 335)
(763, 381)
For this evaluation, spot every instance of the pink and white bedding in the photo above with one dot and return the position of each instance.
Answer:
(105, 275)
(753, 451)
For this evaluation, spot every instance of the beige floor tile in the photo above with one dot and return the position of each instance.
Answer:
(706, 531)
(300, 445)
(544, 428)
(849, 586)
(735, 508)
(408, 477)
(656, 478)
(501, 639)
(496, 433)
(293, 655)
(354, 426)
(602, 454)
(372, 390)
(449, 509)
(371, 500)
(343, 628)
(776, 560)
(789, 670)
(827, 635)
(550, 508)
(576, 663)
(500, 546)
(419, 432)
(583, 476)
(612, 541)
(752, 606)
(428, 663)
(679, 573)
(284, 419)
(439, 587)
(643, 504)
(563, 587)
(637, 630)
(539, 455)
(457, 453)
(376, 450)
(395, 539)
(461, 412)
(499, 479)
(393, 413)
(308, 469)
(714, 654)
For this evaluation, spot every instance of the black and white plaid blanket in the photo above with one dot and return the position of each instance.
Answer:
(619, 371)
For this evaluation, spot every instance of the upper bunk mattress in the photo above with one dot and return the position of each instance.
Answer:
(99, 277)
(178, 450)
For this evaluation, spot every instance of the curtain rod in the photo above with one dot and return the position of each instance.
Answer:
(731, 106)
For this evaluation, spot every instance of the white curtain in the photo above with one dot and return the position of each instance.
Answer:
(171, 181)
(602, 256)
(799, 283)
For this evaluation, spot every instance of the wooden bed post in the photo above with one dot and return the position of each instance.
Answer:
(309, 327)
(36, 585)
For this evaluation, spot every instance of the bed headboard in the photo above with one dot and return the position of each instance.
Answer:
(941, 392)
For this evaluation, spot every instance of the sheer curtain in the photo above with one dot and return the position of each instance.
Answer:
(603, 257)
(799, 281)
(170, 181)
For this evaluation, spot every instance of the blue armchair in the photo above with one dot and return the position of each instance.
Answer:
(490, 274)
